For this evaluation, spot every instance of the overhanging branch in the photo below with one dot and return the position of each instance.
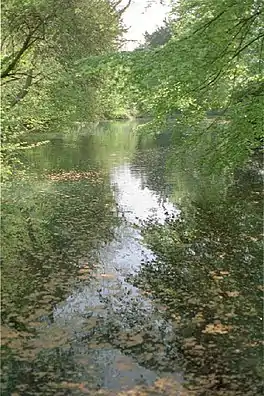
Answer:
(125, 7)
(24, 90)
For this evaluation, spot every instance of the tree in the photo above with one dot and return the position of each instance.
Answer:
(159, 37)
(41, 43)
(213, 61)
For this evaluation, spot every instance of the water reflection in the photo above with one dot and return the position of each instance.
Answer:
(109, 309)
(208, 272)
(74, 320)
(135, 199)
(85, 323)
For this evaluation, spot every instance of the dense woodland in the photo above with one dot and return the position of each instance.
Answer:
(62, 62)
(41, 43)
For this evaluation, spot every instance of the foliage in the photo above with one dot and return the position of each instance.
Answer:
(159, 37)
(41, 41)
(213, 61)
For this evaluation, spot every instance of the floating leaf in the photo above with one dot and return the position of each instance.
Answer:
(224, 272)
(217, 328)
(84, 270)
(108, 276)
(232, 293)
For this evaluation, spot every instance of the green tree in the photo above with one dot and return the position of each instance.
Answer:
(41, 43)
(159, 37)
(213, 61)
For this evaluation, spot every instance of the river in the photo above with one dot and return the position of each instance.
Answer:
(88, 300)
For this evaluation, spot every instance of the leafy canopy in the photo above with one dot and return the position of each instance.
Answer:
(212, 62)
(41, 42)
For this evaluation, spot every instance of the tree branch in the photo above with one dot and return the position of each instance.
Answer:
(117, 3)
(260, 56)
(213, 80)
(247, 45)
(24, 90)
(125, 7)
(207, 24)
(27, 43)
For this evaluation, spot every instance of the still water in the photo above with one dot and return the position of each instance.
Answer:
(91, 305)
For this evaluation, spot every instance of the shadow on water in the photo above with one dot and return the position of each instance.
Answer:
(208, 272)
(93, 305)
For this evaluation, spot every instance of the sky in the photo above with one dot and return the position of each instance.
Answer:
(140, 18)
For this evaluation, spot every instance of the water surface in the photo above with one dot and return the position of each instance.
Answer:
(89, 306)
